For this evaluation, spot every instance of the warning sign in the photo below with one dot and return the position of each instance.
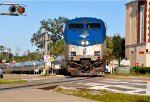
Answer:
(137, 64)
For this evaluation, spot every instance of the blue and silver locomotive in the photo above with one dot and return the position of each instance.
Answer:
(85, 46)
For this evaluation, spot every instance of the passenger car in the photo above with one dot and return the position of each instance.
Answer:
(1, 73)
(60, 61)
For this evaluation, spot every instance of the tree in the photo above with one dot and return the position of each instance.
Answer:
(16, 57)
(109, 49)
(54, 27)
(2, 48)
(117, 47)
(2, 53)
(9, 57)
(57, 48)
(123, 47)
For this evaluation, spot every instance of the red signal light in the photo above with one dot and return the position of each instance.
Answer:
(21, 9)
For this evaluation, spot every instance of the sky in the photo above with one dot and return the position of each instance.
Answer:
(16, 31)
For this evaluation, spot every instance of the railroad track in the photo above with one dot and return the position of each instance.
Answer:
(45, 82)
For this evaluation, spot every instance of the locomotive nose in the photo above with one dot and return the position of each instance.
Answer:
(84, 34)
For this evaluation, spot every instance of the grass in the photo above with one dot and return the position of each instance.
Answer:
(131, 74)
(12, 81)
(104, 96)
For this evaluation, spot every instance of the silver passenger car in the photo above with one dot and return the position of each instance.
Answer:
(1, 73)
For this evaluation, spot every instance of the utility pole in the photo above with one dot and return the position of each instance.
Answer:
(46, 50)
(44, 37)
(46, 43)
(49, 43)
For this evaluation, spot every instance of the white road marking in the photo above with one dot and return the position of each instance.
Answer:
(128, 86)
(119, 81)
(148, 88)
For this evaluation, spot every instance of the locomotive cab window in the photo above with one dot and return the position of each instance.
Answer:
(76, 26)
(73, 53)
(93, 25)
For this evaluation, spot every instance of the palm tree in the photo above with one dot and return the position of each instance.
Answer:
(2, 49)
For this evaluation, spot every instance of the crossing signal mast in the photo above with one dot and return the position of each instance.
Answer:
(14, 9)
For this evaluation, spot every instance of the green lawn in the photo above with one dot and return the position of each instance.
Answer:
(104, 96)
(11, 81)
(130, 74)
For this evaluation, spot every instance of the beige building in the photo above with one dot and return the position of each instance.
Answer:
(138, 32)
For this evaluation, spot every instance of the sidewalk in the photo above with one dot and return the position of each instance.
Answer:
(38, 95)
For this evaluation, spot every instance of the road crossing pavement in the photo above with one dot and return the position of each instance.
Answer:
(123, 86)
(148, 88)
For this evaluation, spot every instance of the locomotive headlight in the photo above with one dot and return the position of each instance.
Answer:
(82, 43)
(87, 42)
(73, 49)
(96, 49)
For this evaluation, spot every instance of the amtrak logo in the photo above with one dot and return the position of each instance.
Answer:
(84, 34)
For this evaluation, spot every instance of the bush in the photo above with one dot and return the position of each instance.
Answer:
(141, 70)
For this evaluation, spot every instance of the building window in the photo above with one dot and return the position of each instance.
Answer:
(142, 10)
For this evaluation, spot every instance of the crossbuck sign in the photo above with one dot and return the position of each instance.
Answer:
(46, 58)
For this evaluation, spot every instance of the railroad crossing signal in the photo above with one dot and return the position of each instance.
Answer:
(17, 9)
(14, 9)
(46, 57)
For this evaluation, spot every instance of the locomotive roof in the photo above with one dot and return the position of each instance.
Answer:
(81, 19)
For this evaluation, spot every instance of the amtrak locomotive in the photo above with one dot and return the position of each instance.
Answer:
(85, 46)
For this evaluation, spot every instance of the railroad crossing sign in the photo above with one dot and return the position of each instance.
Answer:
(3, 60)
(46, 57)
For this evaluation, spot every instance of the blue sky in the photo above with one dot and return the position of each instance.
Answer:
(16, 32)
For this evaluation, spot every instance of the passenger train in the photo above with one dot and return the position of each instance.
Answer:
(23, 67)
(85, 47)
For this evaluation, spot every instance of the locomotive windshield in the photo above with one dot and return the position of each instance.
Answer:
(76, 26)
(93, 25)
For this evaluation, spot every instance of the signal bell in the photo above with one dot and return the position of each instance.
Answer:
(17, 9)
